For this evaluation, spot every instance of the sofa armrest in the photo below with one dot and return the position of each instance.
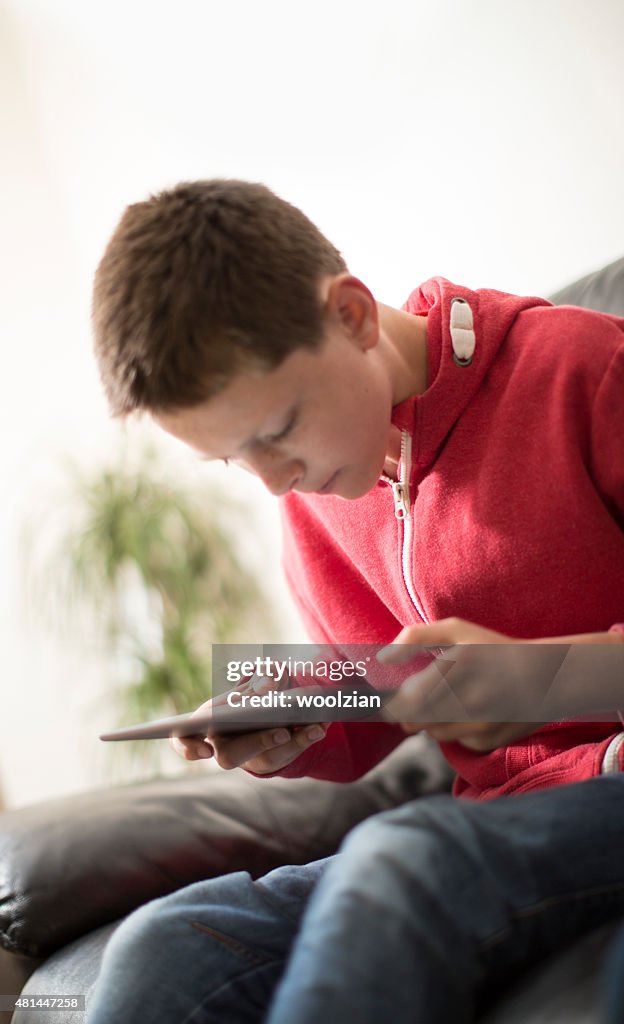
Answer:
(603, 290)
(71, 865)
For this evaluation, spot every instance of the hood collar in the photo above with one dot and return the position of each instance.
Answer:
(465, 330)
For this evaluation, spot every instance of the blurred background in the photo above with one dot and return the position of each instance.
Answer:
(466, 138)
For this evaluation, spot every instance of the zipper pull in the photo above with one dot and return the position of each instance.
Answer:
(401, 499)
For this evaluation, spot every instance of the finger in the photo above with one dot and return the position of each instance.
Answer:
(481, 744)
(264, 684)
(192, 748)
(411, 728)
(427, 697)
(501, 736)
(433, 634)
(275, 759)
(274, 746)
(304, 736)
(485, 742)
(464, 732)
(234, 750)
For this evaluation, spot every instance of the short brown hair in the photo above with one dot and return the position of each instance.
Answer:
(200, 282)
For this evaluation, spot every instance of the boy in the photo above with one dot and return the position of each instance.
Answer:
(460, 456)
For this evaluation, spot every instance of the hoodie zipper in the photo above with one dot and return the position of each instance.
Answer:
(463, 340)
(402, 511)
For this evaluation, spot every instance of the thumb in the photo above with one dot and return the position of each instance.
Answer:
(412, 639)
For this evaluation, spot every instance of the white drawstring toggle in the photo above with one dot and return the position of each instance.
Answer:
(462, 333)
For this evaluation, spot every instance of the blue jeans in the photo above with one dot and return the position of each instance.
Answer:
(427, 913)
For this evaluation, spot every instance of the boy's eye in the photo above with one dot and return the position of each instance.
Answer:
(284, 432)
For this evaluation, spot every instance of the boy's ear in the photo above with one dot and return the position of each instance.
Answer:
(350, 305)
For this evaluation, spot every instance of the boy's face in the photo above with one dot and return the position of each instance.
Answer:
(320, 422)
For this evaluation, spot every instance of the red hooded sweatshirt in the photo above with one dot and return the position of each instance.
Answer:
(513, 518)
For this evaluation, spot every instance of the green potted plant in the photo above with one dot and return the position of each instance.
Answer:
(158, 565)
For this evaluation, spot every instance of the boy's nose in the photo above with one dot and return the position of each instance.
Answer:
(279, 475)
(280, 480)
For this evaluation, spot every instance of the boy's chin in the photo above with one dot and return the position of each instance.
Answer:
(351, 490)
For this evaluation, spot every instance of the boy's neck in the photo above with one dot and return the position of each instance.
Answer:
(404, 340)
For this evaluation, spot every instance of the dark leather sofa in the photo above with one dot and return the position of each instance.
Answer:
(71, 868)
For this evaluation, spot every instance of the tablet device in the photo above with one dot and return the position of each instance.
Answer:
(302, 706)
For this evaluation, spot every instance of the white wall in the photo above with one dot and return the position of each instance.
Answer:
(475, 139)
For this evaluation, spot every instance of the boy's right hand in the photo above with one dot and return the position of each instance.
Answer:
(262, 752)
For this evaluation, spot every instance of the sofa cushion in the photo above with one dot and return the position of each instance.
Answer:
(71, 865)
(72, 970)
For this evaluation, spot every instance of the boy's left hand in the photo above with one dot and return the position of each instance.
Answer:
(482, 698)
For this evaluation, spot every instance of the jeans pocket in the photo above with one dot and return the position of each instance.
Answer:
(242, 950)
